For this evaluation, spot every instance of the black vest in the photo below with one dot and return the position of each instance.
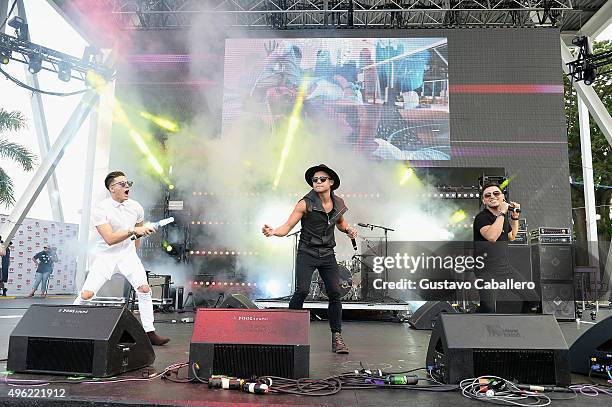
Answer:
(317, 237)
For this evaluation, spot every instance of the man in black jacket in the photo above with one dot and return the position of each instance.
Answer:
(319, 212)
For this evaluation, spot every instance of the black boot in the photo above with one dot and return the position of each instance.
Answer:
(338, 345)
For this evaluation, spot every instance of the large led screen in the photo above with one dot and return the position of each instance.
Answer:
(385, 98)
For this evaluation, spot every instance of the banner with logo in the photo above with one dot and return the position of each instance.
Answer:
(31, 237)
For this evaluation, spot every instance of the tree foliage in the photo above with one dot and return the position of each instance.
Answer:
(601, 151)
(12, 121)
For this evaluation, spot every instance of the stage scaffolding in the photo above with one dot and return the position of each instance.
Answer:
(290, 14)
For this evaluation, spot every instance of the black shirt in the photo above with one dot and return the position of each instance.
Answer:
(46, 260)
(495, 253)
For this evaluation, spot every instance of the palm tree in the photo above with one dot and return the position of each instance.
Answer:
(11, 121)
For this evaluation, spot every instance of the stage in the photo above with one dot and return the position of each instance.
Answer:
(377, 345)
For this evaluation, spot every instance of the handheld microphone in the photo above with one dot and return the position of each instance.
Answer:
(156, 225)
(354, 244)
(513, 209)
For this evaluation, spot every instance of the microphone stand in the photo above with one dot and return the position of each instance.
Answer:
(295, 249)
(386, 231)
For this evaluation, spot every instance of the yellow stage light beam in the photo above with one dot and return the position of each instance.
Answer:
(408, 173)
(458, 216)
(161, 122)
(294, 124)
(142, 146)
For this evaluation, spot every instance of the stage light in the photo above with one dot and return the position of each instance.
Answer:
(171, 187)
(64, 71)
(35, 64)
(5, 56)
(458, 216)
(407, 175)
(161, 122)
(294, 123)
(169, 248)
(20, 26)
(590, 74)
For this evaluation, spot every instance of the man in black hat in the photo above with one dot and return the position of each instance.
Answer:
(319, 211)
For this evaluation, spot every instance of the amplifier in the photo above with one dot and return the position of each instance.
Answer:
(250, 342)
(550, 239)
(160, 286)
(551, 231)
(521, 239)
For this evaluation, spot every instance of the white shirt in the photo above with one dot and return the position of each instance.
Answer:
(121, 216)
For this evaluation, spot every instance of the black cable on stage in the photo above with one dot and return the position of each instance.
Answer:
(44, 92)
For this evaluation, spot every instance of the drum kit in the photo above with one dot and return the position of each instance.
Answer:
(350, 282)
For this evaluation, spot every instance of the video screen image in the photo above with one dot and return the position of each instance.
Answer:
(385, 98)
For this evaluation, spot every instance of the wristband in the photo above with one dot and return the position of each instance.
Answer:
(131, 232)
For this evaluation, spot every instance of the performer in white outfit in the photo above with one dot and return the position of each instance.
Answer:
(116, 220)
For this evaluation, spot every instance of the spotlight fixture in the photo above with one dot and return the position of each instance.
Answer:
(35, 64)
(5, 57)
(64, 71)
(589, 74)
(20, 26)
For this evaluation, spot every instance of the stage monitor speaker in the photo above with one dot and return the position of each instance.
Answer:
(558, 299)
(238, 301)
(244, 343)
(78, 340)
(592, 351)
(527, 348)
(426, 315)
(552, 262)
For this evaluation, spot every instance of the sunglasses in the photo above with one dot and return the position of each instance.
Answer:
(490, 194)
(124, 184)
(317, 179)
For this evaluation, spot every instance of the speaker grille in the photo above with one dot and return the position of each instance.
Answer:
(526, 366)
(60, 355)
(248, 360)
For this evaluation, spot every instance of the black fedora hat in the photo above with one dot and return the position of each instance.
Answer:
(322, 167)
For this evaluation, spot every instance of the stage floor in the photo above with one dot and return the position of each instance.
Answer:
(381, 345)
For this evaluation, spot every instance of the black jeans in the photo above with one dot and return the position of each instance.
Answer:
(305, 265)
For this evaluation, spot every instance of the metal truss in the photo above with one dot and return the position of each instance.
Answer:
(299, 14)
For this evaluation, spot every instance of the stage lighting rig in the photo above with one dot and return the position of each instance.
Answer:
(586, 66)
(38, 58)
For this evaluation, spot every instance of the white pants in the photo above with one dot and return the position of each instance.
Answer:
(102, 269)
